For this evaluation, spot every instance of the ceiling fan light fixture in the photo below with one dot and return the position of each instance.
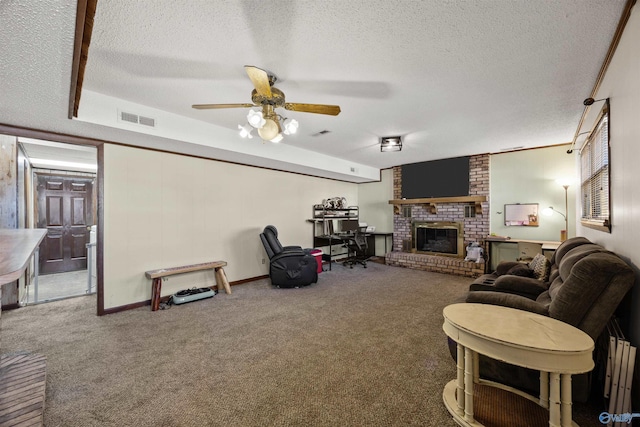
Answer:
(271, 125)
(290, 126)
(390, 143)
(256, 119)
(245, 131)
(270, 130)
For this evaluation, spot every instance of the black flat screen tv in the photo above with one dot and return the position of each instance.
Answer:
(437, 178)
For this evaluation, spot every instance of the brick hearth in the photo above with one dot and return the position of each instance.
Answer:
(435, 263)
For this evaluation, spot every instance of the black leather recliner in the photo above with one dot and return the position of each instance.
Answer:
(289, 266)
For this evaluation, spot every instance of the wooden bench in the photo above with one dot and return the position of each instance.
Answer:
(157, 275)
(22, 389)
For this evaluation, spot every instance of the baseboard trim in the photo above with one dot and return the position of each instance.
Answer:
(250, 279)
(164, 299)
(120, 308)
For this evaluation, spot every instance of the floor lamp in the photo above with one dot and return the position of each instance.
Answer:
(549, 211)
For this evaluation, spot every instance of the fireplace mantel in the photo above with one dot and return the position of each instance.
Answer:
(433, 201)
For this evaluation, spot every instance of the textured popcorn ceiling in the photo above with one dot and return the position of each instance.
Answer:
(452, 77)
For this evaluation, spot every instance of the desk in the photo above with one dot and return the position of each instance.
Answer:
(533, 341)
(331, 240)
(339, 240)
(381, 233)
(17, 246)
(548, 247)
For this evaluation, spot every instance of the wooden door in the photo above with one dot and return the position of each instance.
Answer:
(65, 210)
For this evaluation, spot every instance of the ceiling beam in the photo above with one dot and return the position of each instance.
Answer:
(626, 13)
(85, 12)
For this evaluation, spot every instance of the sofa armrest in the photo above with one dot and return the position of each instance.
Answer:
(507, 300)
(505, 266)
(476, 287)
(291, 256)
(520, 285)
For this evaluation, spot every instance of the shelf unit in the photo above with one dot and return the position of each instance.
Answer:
(325, 219)
(326, 223)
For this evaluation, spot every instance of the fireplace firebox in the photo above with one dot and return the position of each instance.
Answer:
(438, 238)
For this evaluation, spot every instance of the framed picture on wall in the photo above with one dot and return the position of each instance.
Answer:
(521, 214)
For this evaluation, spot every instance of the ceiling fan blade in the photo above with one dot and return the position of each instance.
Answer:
(260, 80)
(332, 110)
(214, 106)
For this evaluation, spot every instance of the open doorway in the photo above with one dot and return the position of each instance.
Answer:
(61, 180)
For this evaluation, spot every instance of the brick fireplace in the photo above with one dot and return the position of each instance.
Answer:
(472, 220)
(438, 238)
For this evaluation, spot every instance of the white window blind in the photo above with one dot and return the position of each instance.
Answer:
(594, 175)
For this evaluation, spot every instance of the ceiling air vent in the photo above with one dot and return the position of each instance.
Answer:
(147, 121)
(134, 118)
(322, 132)
(128, 117)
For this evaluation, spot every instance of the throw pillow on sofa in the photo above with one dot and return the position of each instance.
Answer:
(540, 266)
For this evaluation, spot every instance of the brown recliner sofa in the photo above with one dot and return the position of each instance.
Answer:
(513, 277)
(586, 285)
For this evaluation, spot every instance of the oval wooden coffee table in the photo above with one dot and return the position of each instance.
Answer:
(554, 348)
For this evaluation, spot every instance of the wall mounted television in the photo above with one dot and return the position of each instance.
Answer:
(437, 178)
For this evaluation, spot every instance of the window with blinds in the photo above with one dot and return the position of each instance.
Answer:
(594, 175)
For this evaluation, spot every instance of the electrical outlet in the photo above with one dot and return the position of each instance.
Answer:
(263, 261)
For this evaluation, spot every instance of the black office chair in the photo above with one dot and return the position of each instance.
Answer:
(289, 266)
(357, 247)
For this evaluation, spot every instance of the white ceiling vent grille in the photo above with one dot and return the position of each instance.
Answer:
(147, 121)
(128, 117)
(134, 118)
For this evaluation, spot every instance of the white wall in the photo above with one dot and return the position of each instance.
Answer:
(622, 85)
(529, 176)
(373, 199)
(163, 210)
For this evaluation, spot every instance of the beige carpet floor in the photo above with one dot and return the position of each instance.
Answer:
(362, 347)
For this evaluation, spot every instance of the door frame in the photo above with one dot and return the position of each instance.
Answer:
(86, 141)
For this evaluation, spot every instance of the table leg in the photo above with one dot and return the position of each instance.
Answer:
(89, 266)
(476, 367)
(468, 385)
(221, 280)
(544, 389)
(554, 399)
(156, 288)
(36, 273)
(565, 400)
(460, 378)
